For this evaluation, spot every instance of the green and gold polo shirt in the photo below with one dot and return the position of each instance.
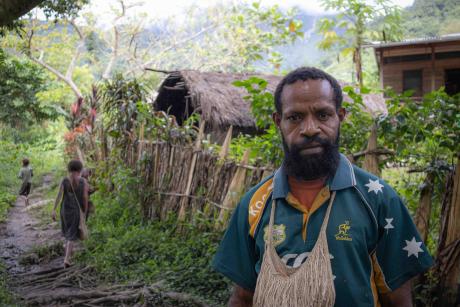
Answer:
(373, 243)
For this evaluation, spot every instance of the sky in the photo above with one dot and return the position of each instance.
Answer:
(158, 8)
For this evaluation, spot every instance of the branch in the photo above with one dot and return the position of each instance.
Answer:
(80, 45)
(58, 74)
(174, 45)
(116, 39)
(160, 70)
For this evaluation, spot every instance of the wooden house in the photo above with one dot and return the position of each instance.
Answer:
(421, 65)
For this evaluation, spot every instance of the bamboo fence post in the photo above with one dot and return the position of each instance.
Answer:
(371, 160)
(226, 145)
(140, 145)
(452, 280)
(234, 192)
(196, 148)
(422, 215)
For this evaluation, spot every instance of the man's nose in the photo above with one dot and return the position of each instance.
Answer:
(309, 127)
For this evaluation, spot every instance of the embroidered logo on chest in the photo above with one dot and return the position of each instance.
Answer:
(342, 234)
(279, 234)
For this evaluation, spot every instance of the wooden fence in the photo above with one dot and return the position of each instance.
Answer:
(187, 179)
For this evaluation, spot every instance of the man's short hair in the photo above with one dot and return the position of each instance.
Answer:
(25, 162)
(307, 73)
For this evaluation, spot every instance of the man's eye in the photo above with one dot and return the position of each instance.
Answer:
(293, 117)
(323, 116)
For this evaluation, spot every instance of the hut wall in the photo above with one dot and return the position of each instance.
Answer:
(392, 72)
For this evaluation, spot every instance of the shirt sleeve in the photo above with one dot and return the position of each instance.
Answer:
(400, 253)
(235, 257)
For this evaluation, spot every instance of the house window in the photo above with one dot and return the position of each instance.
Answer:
(412, 80)
(452, 77)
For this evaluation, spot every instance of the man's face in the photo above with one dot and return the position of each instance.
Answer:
(309, 125)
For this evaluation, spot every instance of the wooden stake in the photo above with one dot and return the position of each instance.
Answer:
(371, 160)
(141, 142)
(422, 215)
(226, 145)
(234, 193)
(196, 148)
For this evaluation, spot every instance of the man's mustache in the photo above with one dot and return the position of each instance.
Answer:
(307, 141)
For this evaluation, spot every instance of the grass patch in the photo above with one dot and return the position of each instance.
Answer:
(42, 254)
(6, 296)
(7, 201)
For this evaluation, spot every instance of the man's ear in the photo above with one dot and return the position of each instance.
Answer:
(342, 112)
(276, 118)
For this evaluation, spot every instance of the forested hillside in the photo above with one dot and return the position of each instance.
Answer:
(431, 18)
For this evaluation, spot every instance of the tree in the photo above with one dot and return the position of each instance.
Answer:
(223, 38)
(12, 10)
(355, 24)
(20, 81)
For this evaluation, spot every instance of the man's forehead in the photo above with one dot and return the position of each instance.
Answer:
(306, 89)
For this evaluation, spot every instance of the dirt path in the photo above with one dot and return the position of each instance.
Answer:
(23, 231)
(32, 249)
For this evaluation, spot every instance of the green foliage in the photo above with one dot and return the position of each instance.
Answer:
(121, 99)
(6, 202)
(355, 24)
(262, 101)
(125, 248)
(354, 131)
(355, 19)
(426, 131)
(39, 145)
(263, 28)
(426, 18)
(6, 297)
(262, 107)
(62, 8)
(20, 81)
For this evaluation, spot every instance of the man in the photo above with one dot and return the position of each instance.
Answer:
(26, 174)
(339, 235)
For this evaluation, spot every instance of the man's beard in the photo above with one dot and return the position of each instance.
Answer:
(311, 166)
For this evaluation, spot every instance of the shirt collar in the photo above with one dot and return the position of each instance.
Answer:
(344, 178)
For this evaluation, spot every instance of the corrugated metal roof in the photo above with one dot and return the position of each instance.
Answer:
(416, 41)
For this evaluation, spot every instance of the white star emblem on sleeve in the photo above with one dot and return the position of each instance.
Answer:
(374, 186)
(413, 247)
(388, 225)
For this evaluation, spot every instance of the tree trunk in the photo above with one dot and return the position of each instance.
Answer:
(11, 10)
(422, 216)
(358, 66)
(371, 160)
(448, 258)
(453, 235)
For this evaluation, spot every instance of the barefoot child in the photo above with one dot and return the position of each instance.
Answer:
(72, 197)
(26, 175)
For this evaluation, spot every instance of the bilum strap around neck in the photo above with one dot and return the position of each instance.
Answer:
(310, 285)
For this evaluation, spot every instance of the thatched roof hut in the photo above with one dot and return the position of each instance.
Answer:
(218, 101)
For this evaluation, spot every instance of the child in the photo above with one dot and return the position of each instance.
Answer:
(26, 175)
